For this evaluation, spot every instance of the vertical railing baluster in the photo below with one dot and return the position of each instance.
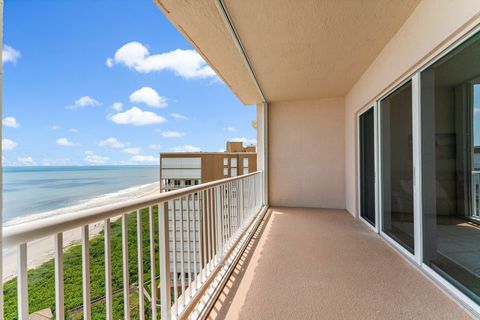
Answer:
(218, 219)
(203, 235)
(164, 261)
(126, 273)
(152, 263)
(108, 270)
(59, 284)
(240, 201)
(209, 243)
(175, 276)
(237, 213)
(214, 224)
(22, 282)
(189, 260)
(182, 251)
(222, 202)
(141, 297)
(230, 213)
(86, 273)
(195, 243)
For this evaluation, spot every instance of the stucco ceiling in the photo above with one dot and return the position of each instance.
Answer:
(299, 50)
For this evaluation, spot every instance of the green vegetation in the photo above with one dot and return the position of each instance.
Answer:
(41, 280)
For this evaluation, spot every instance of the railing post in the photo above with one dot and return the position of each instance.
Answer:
(22, 282)
(59, 285)
(86, 272)
(153, 282)
(164, 263)
(126, 272)
(108, 270)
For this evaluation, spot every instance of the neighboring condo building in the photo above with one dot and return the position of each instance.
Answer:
(181, 170)
(186, 169)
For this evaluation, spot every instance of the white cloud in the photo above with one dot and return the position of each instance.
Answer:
(117, 106)
(109, 62)
(55, 127)
(111, 143)
(144, 159)
(178, 116)
(9, 54)
(74, 130)
(244, 140)
(10, 122)
(187, 64)
(57, 162)
(132, 150)
(26, 161)
(173, 134)
(8, 144)
(231, 129)
(64, 142)
(137, 117)
(186, 148)
(155, 146)
(84, 101)
(92, 158)
(148, 96)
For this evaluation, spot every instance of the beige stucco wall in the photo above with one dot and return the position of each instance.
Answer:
(432, 27)
(307, 153)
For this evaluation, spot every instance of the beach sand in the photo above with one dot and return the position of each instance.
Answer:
(41, 250)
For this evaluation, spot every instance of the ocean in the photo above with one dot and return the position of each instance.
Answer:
(34, 192)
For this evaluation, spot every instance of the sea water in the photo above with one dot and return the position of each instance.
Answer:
(35, 192)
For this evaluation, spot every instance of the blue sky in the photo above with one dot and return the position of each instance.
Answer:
(108, 82)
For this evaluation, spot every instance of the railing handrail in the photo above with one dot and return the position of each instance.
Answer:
(41, 228)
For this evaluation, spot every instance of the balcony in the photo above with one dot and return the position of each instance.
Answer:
(324, 264)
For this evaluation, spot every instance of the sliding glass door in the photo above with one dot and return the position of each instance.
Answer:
(367, 166)
(450, 113)
(397, 166)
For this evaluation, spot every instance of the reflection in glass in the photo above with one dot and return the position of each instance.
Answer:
(367, 166)
(450, 113)
(397, 166)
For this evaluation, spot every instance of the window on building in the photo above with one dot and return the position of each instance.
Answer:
(177, 182)
(233, 162)
(450, 122)
(397, 164)
(234, 172)
(188, 182)
(225, 172)
(225, 162)
(245, 165)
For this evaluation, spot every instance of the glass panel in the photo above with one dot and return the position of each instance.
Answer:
(450, 102)
(233, 162)
(367, 166)
(397, 166)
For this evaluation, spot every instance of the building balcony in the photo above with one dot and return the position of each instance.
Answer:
(324, 264)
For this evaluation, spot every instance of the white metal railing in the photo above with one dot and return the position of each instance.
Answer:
(197, 227)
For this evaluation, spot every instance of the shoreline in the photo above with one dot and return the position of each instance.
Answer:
(42, 250)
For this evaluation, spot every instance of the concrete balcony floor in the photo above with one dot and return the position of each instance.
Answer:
(324, 264)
